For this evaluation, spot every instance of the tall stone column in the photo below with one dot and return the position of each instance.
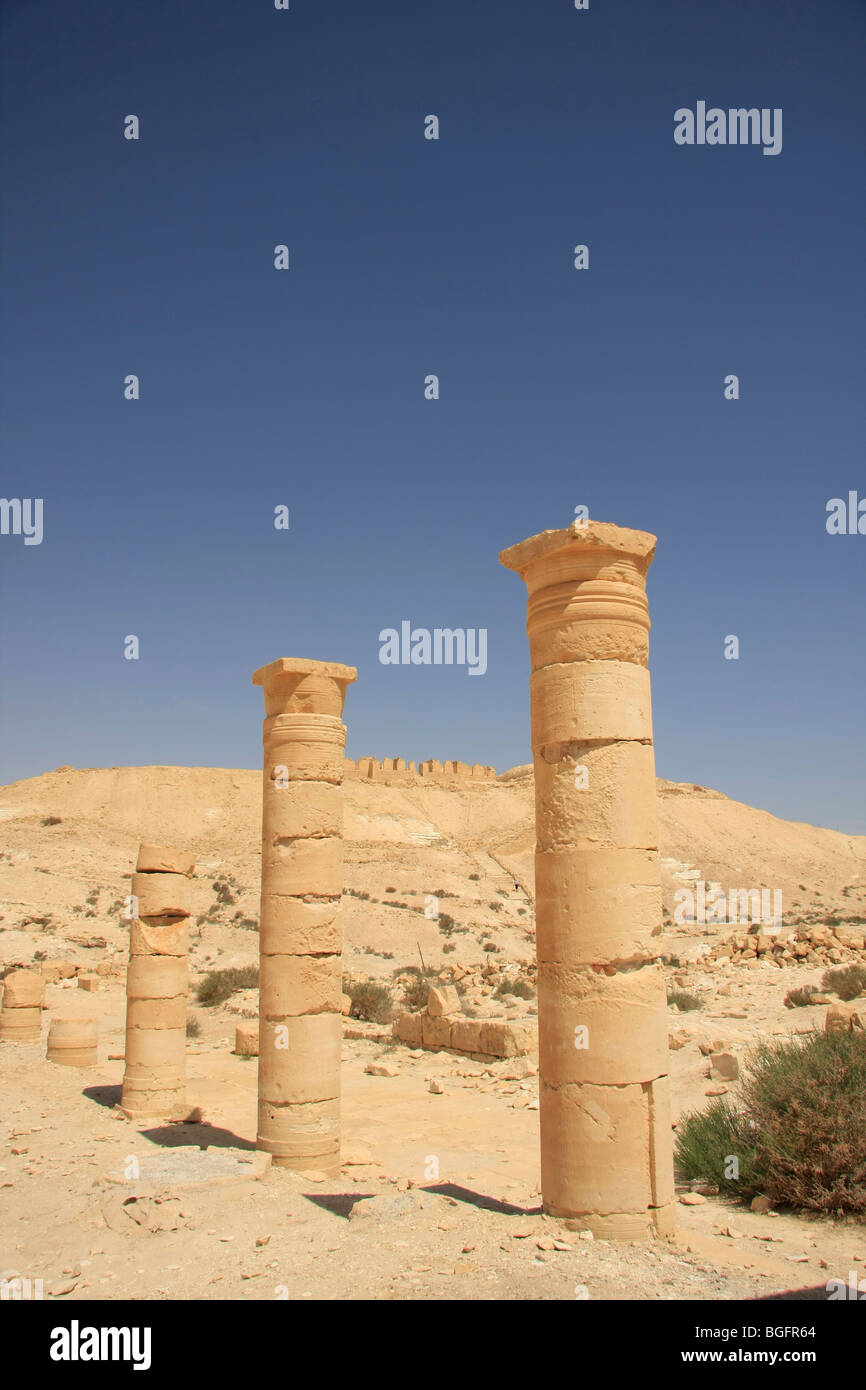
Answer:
(154, 1079)
(606, 1145)
(300, 941)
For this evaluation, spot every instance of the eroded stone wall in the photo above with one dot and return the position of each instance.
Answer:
(396, 771)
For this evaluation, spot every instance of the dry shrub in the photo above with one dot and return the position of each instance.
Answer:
(797, 1127)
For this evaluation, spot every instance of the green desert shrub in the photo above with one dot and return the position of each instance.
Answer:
(220, 985)
(193, 1028)
(370, 1000)
(417, 989)
(797, 1127)
(521, 986)
(847, 981)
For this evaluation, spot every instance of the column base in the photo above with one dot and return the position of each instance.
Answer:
(653, 1224)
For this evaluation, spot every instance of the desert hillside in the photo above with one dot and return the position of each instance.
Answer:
(390, 1230)
(70, 838)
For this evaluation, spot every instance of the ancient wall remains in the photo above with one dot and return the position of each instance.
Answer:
(397, 772)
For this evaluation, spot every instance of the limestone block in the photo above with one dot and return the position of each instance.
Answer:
(590, 618)
(298, 1136)
(594, 906)
(301, 810)
(156, 977)
(499, 1038)
(21, 1025)
(157, 1013)
(162, 895)
(407, 1027)
(298, 867)
(293, 985)
(600, 1029)
(24, 989)
(292, 927)
(171, 939)
(571, 554)
(146, 1098)
(466, 1034)
(596, 796)
(595, 1150)
(53, 970)
(299, 1059)
(304, 748)
(724, 1066)
(435, 1032)
(292, 685)
(161, 859)
(589, 700)
(443, 1000)
(247, 1039)
(73, 1042)
(840, 1018)
(155, 1049)
(90, 982)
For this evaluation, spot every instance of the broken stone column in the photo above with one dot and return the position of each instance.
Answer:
(154, 1081)
(21, 1016)
(606, 1146)
(300, 943)
(73, 1042)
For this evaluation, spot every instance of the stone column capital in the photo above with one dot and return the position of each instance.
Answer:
(549, 556)
(587, 595)
(295, 685)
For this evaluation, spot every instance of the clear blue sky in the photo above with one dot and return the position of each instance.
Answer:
(410, 257)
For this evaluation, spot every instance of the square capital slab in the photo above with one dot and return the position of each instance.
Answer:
(296, 685)
(593, 543)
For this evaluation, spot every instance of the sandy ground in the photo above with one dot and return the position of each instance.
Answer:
(439, 1198)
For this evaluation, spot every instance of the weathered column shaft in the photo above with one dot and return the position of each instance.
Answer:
(73, 1042)
(300, 942)
(606, 1149)
(154, 1080)
(23, 997)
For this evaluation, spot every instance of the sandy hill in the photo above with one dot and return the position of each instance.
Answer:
(70, 839)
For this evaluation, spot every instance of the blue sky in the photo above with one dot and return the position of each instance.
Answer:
(306, 387)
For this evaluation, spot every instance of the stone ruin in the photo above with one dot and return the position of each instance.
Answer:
(21, 1015)
(606, 1143)
(300, 941)
(397, 772)
(154, 1080)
